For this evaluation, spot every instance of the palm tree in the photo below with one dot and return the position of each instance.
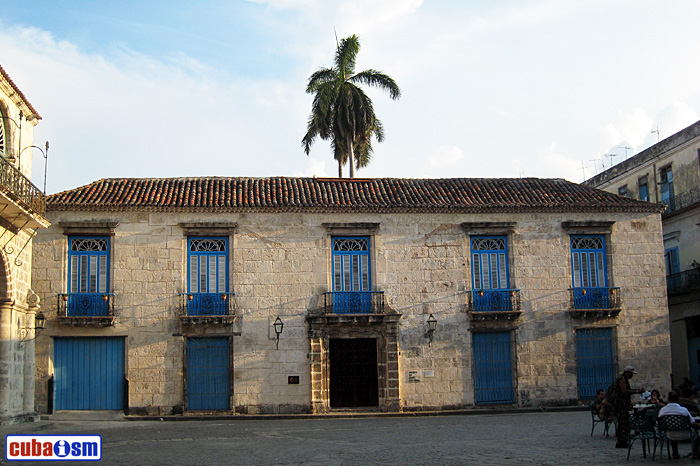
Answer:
(342, 112)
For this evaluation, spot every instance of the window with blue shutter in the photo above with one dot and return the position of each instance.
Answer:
(351, 275)
(589, 273)
(88, 276)
(207, 282)
(490, 274)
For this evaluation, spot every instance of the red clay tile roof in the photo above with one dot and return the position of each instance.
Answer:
(4, 74)
(281, 194)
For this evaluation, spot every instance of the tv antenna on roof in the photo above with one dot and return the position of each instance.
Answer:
(595, 167)
(626, 149)
(611, 157)
(658, 135)
(583, 170)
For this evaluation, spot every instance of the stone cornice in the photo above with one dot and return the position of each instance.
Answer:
(88, 228)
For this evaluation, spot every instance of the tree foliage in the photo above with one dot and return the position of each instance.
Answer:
(341, 111)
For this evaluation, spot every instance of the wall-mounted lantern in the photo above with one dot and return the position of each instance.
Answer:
(432, 324)
(279, 326)
(39, 325)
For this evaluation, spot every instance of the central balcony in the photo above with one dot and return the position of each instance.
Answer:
(594, 301)
(353, 302)
(96, 309)
(494, 304)
(207, 308)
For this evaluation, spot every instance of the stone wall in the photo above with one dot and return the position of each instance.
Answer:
(280, 265)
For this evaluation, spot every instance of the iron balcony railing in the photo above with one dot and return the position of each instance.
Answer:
(85, 305)
(502, 300)
(208, 304)
(683, 281)
(18, 186)
(353, 302)
(682, 200)
(594, 298)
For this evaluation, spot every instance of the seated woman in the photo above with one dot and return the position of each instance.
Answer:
(656, 399)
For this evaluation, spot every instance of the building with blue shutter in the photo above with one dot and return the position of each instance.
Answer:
(669, 173)
(22, 208)
(308, 295)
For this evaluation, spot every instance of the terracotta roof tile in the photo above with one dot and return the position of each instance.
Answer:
(343, 195)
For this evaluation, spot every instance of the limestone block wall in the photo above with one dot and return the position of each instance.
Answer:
(280, 265)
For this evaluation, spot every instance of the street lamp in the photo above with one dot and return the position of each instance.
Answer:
(279, 326)
(45, 153)
(39, 325)
(432, 324)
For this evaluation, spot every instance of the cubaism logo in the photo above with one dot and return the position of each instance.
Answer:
(53, 447)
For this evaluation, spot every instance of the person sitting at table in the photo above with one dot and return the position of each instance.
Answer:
(673, 408)
(656, 399)
(604, 409)
(687, 401)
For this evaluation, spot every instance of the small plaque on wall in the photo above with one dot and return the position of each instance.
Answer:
(413, 377)
(293, 379)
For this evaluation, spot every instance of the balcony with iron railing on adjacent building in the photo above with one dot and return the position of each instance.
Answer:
(207, 308)
(499, 304)
(90, 309)
(21, 203)
(595, 301)
(682, 200)
(353, 302)
(683, 282)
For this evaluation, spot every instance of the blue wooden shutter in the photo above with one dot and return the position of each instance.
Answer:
(493, 368)
(89, 373)
(595, 360)
(208, 373)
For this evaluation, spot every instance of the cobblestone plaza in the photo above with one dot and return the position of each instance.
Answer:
(541, 438)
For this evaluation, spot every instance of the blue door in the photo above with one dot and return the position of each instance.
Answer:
(88, 373)
(595, 360)
(493, 368)
(208, 373)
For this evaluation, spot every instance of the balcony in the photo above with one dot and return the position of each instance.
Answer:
(89, 309)
(353, 302)
(594, 302)
(207, 308)
(21, 203)
(682, 200)
(501, 304)
(683, 282)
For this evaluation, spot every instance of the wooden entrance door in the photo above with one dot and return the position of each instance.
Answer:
(353, 372)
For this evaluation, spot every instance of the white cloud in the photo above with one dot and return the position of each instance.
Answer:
(445, 156)
(314, 167)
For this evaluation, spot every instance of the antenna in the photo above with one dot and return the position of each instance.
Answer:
(658, 135)
(583, 170)
(611, 158)
(626, 149)
(595, 167)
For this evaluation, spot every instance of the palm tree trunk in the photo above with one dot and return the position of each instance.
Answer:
(351, 156)
(340, 168)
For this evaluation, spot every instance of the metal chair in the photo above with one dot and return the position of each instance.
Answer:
(595, 418)
(675, 423)
(642, 427)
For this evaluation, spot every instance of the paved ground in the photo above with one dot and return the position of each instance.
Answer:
(547, 438)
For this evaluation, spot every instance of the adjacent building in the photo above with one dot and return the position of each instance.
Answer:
(308, 295)
(22, 208)
(669, 173)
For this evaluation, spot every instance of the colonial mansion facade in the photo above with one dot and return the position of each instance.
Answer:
(309, 295)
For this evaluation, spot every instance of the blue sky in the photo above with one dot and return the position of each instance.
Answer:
(490, 89)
